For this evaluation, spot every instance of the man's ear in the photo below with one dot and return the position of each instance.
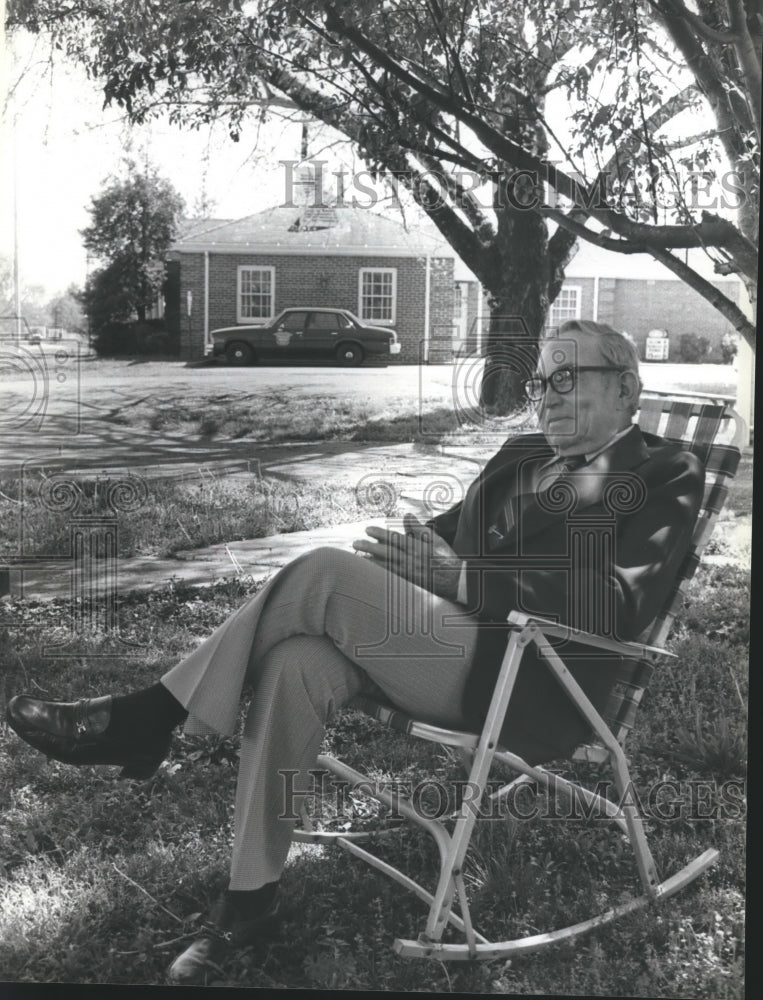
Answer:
(630, 389)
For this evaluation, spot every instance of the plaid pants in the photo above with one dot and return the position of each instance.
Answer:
(328, 626)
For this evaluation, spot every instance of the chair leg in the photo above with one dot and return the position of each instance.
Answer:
(645, 863)
(452, 850)
(453, 846)
(625, 815)
(450, 881)
(452, 866)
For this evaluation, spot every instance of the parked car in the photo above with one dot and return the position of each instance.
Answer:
(306, 332)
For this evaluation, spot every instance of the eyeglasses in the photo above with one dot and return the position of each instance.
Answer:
(562, 380)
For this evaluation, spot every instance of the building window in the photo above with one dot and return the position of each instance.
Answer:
(377, 297)
(256, 293)
(565, 306)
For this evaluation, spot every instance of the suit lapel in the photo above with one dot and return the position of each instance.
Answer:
(517, 490)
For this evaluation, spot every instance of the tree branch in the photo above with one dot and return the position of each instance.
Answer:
(466, 243)
(749, 59)
(727, 37)
(666, 146)
(436, 16)
(712, 231)
(464, 199)
(707, 78)
(708, 291)
(688, 275)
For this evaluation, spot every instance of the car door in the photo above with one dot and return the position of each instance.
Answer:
(288, 336)
(322, 333)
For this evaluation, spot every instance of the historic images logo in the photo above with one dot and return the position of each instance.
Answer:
(40, 382)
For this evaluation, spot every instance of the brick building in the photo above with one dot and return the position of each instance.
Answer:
(637, 294)
(245, 271)
(224, 272)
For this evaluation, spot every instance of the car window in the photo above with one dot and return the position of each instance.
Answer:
(325, 321)
(294, 321)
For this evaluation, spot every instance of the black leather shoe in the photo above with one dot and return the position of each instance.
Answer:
(224, 930)
(75, 732)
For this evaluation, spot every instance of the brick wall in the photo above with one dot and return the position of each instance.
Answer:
(319, 280)
(191, 327)
(640, 306)
(443, 329)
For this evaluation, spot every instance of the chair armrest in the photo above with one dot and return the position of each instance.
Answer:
(638, 650)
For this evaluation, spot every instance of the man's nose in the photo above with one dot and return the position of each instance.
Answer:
(551, 397)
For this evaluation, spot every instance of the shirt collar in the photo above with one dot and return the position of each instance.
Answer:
(591, 455)
(615, 437)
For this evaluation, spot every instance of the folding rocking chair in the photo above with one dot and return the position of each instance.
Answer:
(712, 430)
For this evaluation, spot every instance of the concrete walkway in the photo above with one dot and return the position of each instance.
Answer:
(405, 477)
(256, 559)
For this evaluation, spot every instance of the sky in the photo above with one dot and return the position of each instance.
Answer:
(65, 145)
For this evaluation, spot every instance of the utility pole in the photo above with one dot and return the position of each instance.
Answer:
(16, 263)
(11, 140)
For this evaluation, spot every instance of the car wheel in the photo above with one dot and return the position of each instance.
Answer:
(239, 354)
(350, 354)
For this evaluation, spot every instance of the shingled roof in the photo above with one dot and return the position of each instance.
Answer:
(306, 229)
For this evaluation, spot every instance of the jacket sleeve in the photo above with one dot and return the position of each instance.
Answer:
(633, 581)
(445, 524)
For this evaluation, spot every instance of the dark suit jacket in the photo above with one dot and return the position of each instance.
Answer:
(643, 493)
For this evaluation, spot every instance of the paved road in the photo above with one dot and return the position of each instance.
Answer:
(29, 376)
(67, 411)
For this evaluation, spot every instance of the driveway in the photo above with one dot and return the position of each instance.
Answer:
(70, 409)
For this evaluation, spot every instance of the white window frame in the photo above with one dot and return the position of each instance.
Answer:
(392, 271)
(240, 317)
(552, 320)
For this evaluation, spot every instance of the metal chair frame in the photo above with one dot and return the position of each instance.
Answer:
(677, 419)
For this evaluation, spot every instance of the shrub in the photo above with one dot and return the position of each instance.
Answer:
(693, 348)
(729, 349)
(147, 337)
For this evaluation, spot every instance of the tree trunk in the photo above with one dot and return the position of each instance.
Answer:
(518, 296)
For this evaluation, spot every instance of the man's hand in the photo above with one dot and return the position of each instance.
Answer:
(419, 555)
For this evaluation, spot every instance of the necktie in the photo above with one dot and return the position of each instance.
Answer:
(562, 466)
(571, 462)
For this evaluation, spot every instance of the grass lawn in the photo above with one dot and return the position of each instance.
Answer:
(176, 515)
(277, 415)
(104, 880)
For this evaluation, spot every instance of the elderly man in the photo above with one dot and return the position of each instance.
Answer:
(421, 619)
